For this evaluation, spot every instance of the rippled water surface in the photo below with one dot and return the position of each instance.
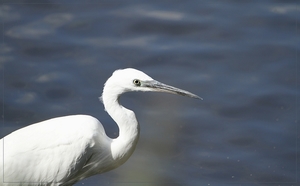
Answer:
(240, 56)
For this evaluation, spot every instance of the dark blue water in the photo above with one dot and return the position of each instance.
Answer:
(241, 57)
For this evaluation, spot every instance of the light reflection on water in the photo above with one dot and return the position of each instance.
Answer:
(240, 57)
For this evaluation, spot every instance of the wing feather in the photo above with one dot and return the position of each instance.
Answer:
(50, 151)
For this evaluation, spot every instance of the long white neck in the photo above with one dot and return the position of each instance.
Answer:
(123, 146)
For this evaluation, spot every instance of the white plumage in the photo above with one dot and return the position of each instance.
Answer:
(64, 150)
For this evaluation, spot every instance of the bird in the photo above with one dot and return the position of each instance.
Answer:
(64, 150)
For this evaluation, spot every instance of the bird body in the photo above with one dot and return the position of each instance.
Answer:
(64, 150)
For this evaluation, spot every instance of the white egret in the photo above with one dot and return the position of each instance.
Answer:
(64, 150)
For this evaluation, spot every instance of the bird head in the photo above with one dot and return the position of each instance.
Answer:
(129, 79)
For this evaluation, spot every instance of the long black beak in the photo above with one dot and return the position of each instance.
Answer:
(160, 87)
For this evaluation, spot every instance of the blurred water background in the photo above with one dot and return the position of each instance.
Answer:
(241, 56)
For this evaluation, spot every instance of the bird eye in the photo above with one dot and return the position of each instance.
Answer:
(137, 82)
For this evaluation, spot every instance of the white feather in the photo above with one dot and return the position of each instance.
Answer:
(64, 150)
